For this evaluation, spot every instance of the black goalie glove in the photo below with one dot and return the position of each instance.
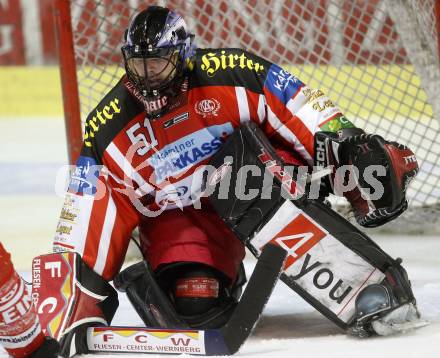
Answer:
(379, 173)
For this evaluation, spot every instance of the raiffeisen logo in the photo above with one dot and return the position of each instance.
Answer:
(213, 61)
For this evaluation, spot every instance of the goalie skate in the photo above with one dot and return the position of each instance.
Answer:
(401, 320)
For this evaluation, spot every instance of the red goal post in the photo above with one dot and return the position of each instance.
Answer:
(69, 82)
(378, 59)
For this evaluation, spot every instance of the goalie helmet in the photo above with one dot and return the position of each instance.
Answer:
(157, 46)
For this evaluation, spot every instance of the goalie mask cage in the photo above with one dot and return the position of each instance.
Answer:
(377, 59)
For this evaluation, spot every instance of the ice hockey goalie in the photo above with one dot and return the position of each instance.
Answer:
(142, 165)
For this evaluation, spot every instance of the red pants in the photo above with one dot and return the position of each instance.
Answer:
(191, 235)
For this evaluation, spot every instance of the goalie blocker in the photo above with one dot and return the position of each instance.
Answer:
(335, 267)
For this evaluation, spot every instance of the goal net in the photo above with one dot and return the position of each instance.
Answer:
(377, 59)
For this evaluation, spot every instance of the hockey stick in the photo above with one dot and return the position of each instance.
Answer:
(224, 341)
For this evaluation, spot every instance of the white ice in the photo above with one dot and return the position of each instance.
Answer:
(31, 151)
(290, 327)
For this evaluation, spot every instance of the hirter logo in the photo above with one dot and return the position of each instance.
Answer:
(298, 237)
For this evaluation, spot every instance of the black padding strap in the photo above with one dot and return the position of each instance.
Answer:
(244, 216)
(147, 298)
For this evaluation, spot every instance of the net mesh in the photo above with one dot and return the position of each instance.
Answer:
(359, 52)
(426, 18)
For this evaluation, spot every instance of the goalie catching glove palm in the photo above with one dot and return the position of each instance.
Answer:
(379, 173)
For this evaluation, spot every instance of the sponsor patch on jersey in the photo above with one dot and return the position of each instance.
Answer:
(335, 124)
(100, 117)
(84, 177)
(321, 107)
(180, 118)
(184, 192)
(177, 157)
(207, 108)
(68, 215)
(282, 84)
(63, 229)
(225, 60)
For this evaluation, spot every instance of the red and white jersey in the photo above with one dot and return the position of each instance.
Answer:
(132, 166)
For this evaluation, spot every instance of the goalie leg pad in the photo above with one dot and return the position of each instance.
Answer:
(329, 260)
(388, 307)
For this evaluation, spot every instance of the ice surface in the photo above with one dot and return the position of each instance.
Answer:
(290, 327)
(31, 152)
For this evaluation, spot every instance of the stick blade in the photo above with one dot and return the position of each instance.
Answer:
(255, 297)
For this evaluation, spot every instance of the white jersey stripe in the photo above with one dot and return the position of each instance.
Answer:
(104, 242)
(261, 111)
(128, 170)
(304, 108)
(287, 134)
(309, 117)
(243, 105)
(294, 104)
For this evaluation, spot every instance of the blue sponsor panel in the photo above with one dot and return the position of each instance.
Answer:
(179, 156)
(84, 177)
(281, 83)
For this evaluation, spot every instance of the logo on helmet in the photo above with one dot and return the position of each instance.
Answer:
(207, 107)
